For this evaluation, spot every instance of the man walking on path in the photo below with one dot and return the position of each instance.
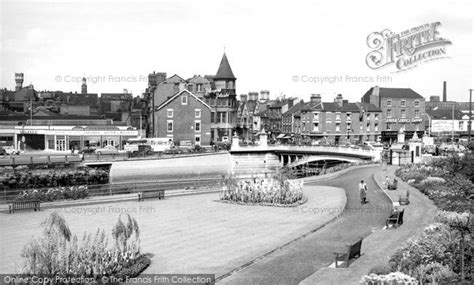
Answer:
(363, 192)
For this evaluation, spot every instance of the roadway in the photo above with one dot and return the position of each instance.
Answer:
(297, 261)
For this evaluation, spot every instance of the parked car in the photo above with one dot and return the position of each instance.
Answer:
(11, 151)
(108, 149)
(2, 151)
(142, 150)
(87, 150)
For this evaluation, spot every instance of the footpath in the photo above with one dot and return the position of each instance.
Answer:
(382, 243)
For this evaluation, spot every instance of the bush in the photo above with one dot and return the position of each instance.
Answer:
(53, 194)
(391, 278)
(59, 253)
(54, 178)
(380, 270)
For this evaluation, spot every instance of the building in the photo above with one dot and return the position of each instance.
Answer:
(185, 119)
(62, 133)
(402, 109)
(275, 112)
(248, 106)
(217, 91)
(223, 101)
(291, 123)
(116, 106)
(339, 122)
(446, 124)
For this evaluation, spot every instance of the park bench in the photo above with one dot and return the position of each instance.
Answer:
(396, 218)
(392, 185)
(353, 250)
(404, 200)
(160, 194)
(24, 205)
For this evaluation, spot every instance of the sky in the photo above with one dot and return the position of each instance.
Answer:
(292, 48)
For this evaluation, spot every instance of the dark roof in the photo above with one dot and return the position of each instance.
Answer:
(369, 107)
(297, 107)
(251, 104)
(445, 114)
(396, 93)
(224, 71)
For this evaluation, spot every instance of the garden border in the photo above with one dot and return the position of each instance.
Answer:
(298, 203)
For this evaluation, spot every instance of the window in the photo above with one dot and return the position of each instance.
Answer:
(315, 127)
(389, 103)
(315, 116)
(213, 114)
(338, 116)
(404, 113)
(184, 100)
(461, 125)
(376, 117)
(376, 127)
(197, 113)
(368, 126)
(403, 103)
(197, 139)
(190, 88)
(417, 113)
(389, 113)
(199, 88)
(197, 125)
(338, 127)
(389, 126)
(169, 113)
(170, 126)
(417, 103)
(348, 117)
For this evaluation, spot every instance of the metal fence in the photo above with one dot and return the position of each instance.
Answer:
(9, 195)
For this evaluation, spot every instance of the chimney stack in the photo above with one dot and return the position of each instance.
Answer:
(264, 95)
(339, 100)
(445, 96)
(243, 97)
(253, 96)
(315, 98)
(19, 81)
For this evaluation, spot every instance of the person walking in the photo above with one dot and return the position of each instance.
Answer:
(363, 192)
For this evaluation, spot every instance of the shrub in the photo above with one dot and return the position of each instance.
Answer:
(59, 253)
(380, 270)
(391, 278)
(53, 194)
(432, 180)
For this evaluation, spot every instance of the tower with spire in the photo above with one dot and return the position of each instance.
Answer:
(223, 102)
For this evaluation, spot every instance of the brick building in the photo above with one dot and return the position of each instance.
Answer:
(402, 109)
(184, 118)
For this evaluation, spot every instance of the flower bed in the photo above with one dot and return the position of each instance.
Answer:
(276, 191)
(59, 254)
(53, 194)
(394, 278)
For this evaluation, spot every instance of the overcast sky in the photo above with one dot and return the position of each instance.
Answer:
(268, 44)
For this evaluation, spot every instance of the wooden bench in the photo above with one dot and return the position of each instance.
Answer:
(353, 250)
(24, 205)
(160, 194)
(392, 185)
(404, 200)
(396, 218)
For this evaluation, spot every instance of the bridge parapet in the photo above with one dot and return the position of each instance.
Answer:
(338, 150)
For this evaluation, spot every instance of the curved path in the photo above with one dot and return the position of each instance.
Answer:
(302, 258)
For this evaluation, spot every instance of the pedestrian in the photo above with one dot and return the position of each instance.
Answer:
(363, 192)
(387, 181)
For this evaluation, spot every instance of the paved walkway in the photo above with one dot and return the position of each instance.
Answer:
(307, 260)
(188, 234)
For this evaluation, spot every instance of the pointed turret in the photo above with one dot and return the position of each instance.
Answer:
(224, 71)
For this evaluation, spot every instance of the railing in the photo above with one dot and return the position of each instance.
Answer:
(71, 158)
(9, 195)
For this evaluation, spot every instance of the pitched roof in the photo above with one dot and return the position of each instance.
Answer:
(396, 93)
(177, 95)
(295, 108)
(224, 71)
(445, 114)
(369, 107)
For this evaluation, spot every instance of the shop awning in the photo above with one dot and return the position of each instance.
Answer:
(280, 136)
